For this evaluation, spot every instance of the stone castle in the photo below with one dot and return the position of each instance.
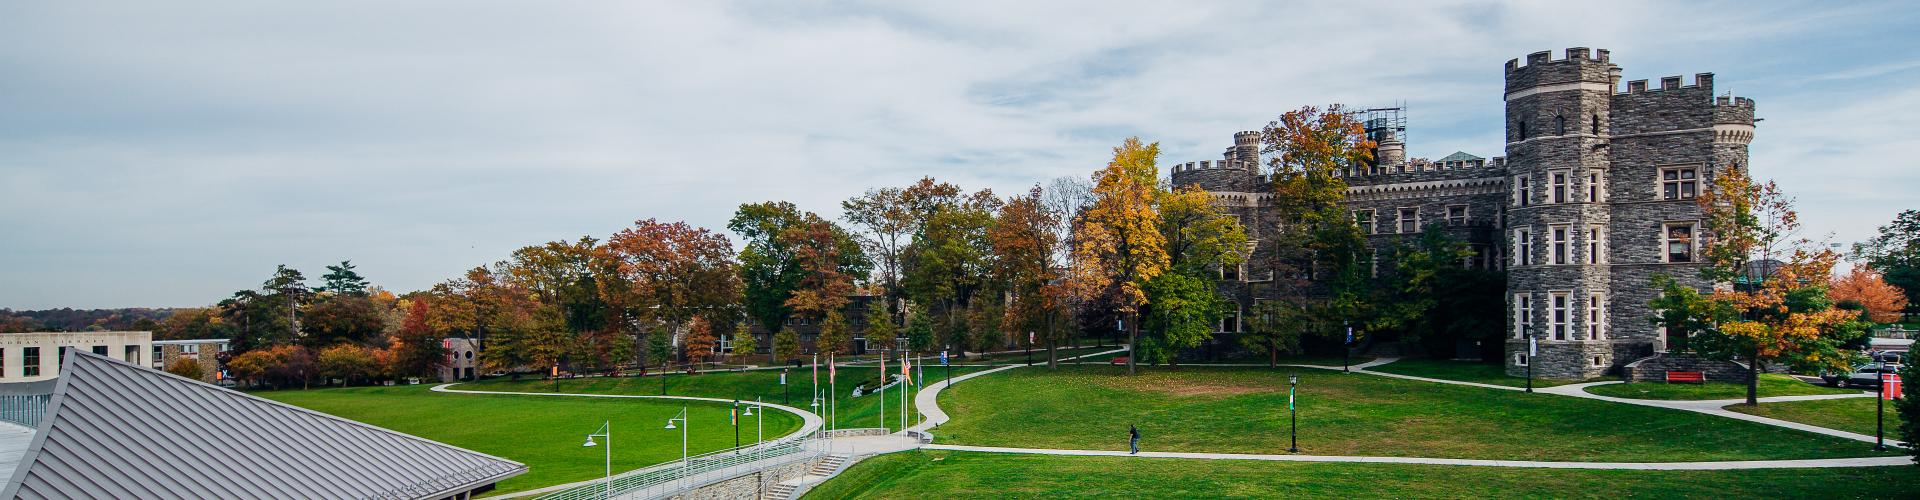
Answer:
(1594, 197)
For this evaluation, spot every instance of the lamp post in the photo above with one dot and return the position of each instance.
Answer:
(735, 420)
(783, 386)
(759, 424)
(1346, 351)
(1293, 428)
(606, 431)
(682, 418)
(1533, 349)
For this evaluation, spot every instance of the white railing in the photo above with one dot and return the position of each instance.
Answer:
(696, 471)
(24, 409)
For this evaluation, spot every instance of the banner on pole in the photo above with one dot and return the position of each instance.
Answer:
(943, 358)
(1533, 348)
(783, 377)
(1889, 386)
(1289, 399)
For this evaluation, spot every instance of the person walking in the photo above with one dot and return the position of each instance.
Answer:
(1133, 439)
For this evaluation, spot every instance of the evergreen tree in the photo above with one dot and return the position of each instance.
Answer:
(342, 280)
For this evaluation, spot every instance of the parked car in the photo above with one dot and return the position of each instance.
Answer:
(1867, 375)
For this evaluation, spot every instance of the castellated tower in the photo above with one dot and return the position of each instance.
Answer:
(1602, 189)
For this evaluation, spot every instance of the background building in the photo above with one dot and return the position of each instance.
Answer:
(26, 357)
(206, 352)
(463, 360)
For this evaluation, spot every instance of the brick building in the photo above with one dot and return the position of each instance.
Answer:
(1593, 198)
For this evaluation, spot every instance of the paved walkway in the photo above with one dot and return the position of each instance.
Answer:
(928, 403)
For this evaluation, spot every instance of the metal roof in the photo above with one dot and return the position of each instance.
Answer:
(1460, 156)
(115, 430)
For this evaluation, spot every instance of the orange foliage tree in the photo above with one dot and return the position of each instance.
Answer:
(1882, 301)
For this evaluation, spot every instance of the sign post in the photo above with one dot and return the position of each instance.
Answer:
(1889, 389)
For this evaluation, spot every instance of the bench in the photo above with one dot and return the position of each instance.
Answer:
(1120, 361)
(1687, 377)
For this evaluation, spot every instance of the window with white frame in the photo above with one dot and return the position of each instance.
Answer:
(1558, 191)
(1520, 188)
(1559, 233)
(1599, 361)
(1596, 314)
(1365, 219)
(1522, 314)
(1520, 359)
(1231, 323)
(1557, 315)
(1594, 189)
(1456, 215)
(1679, 183)
(1410, 220)
(1523, 247)
(1596, 244)
(1678, 241)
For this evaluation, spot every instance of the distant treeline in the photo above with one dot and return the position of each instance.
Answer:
(68, 319)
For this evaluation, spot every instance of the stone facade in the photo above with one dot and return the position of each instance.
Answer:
(205, 352)
(1593, 199)
(755, 485)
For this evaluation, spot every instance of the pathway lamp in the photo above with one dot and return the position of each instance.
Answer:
(606, 431)
(1293, 431)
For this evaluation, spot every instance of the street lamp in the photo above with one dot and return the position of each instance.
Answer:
(682, 418)
(759, 424)
(1533, 349)
(606, 431)
(1293, 431)
(734, 419)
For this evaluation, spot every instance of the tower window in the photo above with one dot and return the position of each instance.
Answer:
(1523, 130)
(1559, 187)
(1521, 188)
(1679, 183)
(1593, 187)
(1596, 124)
(1364, 218)
(1559, 302)
(1560, 125)
(1560, 244)
(1594, 248)
(1522, 314)
(1523, 247)
(1457, 215)
(1679, 242)
(1595, 325)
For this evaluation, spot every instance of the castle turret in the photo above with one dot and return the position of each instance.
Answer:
(1390, 151)
(1246, 149)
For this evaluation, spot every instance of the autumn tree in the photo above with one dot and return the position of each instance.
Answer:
(701, 345)
(193, 323)
(1317, 251)
(1777, 309)
(1025, 239)
(676, 272)
(342, 318)
(348, 362)
(415, 350)
(567, 276)
(187, 368)
(1201, 240)
(770, 267)
(819, 250)
(1895, 253)
(1118, 244)
(1883, 302)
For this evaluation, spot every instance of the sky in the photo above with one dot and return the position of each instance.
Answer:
(166, 155)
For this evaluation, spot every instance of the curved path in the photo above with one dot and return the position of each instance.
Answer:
(928, 403)
(810, 423)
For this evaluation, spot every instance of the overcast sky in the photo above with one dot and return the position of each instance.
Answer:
(167, 154)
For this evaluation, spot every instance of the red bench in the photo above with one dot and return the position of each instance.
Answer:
(1120, 361)
(1687, 377)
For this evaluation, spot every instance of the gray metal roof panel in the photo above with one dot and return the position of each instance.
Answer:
(110, 432)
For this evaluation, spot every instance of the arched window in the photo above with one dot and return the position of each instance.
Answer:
(1560, 125)
(1596, 124)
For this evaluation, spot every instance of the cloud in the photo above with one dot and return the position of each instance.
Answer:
(155, 155)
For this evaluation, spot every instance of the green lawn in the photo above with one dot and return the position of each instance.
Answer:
(543, 432)
(1261, 358)
(765, 384)
(1851, 414)
(1465, 371)
(1244, 410)
(1771, 384)
(941, 474)
(1039, 356)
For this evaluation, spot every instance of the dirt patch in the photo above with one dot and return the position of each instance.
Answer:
(1188, 387)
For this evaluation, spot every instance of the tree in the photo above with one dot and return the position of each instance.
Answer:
(887, 216)
(676, 272)
(819, 249)
(347, 362)
(286, 291)
(251, 367)
(1118, 243)
(1895, 253)
(1777, 308)
(568, 276)
(834, 334)
(701, 345)
(415, 351)
(343, 318)
(342, 280)
(881, 331)
(1318, 248)
(1908, 407)
(1025, 240)
(771, 269)
(1274, 326)
(1433, 297)
(919, 331)
(1201, 239)
(193, 323)
(1185, 309)
(743, 342)
(950, 260)
(186, 368)
(786, 344)
(1883, 302)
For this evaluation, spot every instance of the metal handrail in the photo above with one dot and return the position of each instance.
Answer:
(24, 409)
(677, 476)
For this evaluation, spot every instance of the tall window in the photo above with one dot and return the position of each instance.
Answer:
(1679, 183)
(132, 354)
(1559, 233)
(1522, 191)
(1559, 185)
(1595, 248)
(1522, 314)
(1230, 323)
(30, 361)
(1596, 327)
(1596, 124)
(1559, 303)
(1409, 220)
(1523, 247)
(1522, 129)
(159, 353)
(1457, 215)
(1593, 187)
(1560, 125)
(1365, 219)
(1679, 242)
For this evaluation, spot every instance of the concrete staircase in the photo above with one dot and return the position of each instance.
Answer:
(821, 470)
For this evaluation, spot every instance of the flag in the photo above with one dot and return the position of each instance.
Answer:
(1533, 348)
(943, 358)
(906, 370)
(1889, 386)
(883, 369)
(733, 416)
(831, 369)
(783, 377)
(816, 369)
(1349, 335)
(1029, 338)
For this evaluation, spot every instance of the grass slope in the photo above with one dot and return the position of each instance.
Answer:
(863, 411)
(1851, 414)
(1464, 371)
(1771, 384)
(1244, 410)
(543, 432)
(939, 474)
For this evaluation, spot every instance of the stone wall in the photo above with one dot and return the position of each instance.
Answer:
(1654, 369)
(750, 485)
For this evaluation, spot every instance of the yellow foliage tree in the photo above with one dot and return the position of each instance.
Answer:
(1117, 243)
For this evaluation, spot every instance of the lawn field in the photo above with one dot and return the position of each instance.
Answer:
(543, 432)
(1244, 410)
(1851, 414)
(1771, 384)
(1464, 371)
(745, 385)
(942, 474)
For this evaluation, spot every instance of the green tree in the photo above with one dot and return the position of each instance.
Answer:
(1274, 326)
(834, 334)
(1184, 312)
(1318, 249)
(881, 331)
(1895, 253)
(1908, 407)
(786, 344)
(343, 318)
(771, 267)
(919, 332)
(342, 280)
(743, 342)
